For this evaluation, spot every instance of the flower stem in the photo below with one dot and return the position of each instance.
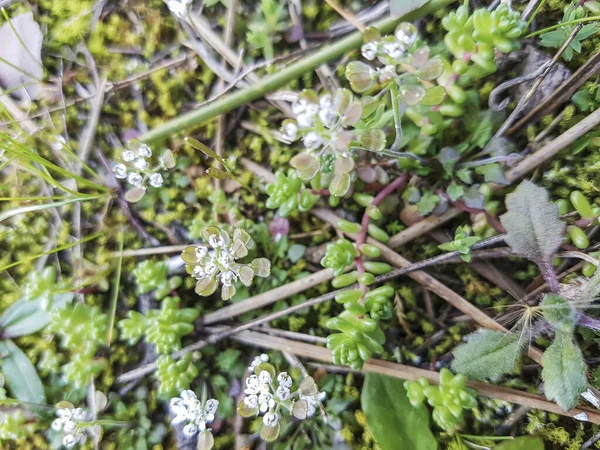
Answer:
(280, 78)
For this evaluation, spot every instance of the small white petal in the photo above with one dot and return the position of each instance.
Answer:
(135, 179)
(120, 171)
(141, 164)
(155, 180)
(128, 155)
(190, 429)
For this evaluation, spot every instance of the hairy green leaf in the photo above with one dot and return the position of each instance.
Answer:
(564, 371)
(393, 421)
(532, 224)
(20, 375)
(487, 355)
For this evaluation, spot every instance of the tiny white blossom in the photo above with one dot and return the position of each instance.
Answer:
(299, 106)
(312, 140)
(283, 393)
(155, 180)
(251, 401)
(328, 117)
(265, 402)
(290, 131)
(252, 385)
(189, 410)
(216, 241)
(228, 278)
(120, 171)
(201, 252)
(141, 164)
(70, 440)
(394, 49)
(369, 50)
(128, 155)
(264, 377)
(285, 380)
(179, 7)
(190, 429)
(257, 361)
(271, 419)
(145, 151)
(304, 120)
(135, 179)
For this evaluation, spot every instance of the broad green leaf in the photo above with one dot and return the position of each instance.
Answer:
(393, 421)
(558, 312)
(522, 443)
(20, 375)
(564, 371)
(399, 8)
(487, 355)
(435, 95)
(28, 316)
(532, 224)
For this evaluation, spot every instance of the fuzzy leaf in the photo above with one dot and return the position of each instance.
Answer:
(20, 375)
(487, 355)
(532, 224)
(28, 316)
(564, 371)
(399, 8)
(392, 420)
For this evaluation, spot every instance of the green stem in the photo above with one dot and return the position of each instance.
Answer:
(281, 78)
(562, 24)
(537, 10)
(486, 438)
(397, 119)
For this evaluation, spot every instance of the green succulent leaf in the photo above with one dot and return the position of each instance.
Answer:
(564, 371)
(487, 355)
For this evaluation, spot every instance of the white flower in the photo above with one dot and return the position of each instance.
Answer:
(251, 401)
(285, 380)
(135, 179)
(265, 402)
(264, 377)
(325, 101)
(198, 272)
(70, 422)
(70, 440)
(145, 151)
(299, 106)
(312, 140)
(228, 278)
(283, 393)
(179, 7)
(128, 155)
(252, 385)
(216, 241)
(312, 109)
(369, 50)
(189, 410)
(271, 419)
(313, 402)
(387, 73)
(257, 361)
(304, 120)
(394, 49)
(290, 131)
(406, 34)
(120, 171)
(328, 117)
(155, 180)
(141, 164)
(201, 252)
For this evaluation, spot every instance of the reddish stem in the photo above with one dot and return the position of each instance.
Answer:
(491, 220)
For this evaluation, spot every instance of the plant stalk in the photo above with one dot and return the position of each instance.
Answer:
(279, 79)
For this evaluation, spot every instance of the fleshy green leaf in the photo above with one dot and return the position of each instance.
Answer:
(434, 96)
(522, 443)
(532, 224)
(20, 375)
(564, 371)
(487, 355)
(393, 421)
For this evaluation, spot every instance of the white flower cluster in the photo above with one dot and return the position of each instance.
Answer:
(70, 422)
(257, 361)
(179, 7)
(135, 167)
(188, 409)
(391, 48)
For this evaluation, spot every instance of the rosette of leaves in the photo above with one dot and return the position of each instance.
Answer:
(175, 376)
(339, 255)
(475, 37)
(462, 243)
(217, 263)
(288, 194)
(321, 123)
(82, 329)
(360, 338)
(154, 276)
(164, 328)
(448, 400)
